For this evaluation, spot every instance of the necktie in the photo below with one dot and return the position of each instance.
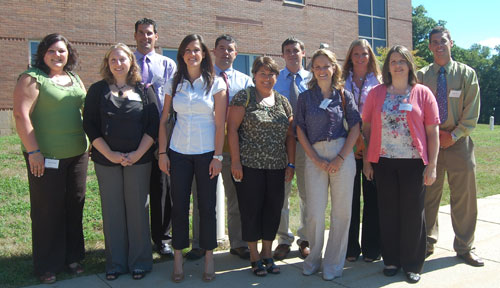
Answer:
(224, 75)
(442, 95)
(144, 69)
(294, 92)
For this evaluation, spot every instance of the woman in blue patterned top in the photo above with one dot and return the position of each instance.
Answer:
(330, 165)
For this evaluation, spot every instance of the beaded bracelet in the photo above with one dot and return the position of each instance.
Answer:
(340, 156)
(291, 165)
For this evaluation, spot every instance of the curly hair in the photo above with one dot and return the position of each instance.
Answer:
(134, 73)
(45, 44)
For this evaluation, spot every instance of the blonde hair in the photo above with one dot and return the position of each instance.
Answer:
(372, 62)
(337, 81)
(133, 75)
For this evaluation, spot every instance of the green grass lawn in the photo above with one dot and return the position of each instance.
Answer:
(16, 267)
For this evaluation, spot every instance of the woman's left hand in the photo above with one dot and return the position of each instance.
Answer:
(131, 158)
(429, 174)
(334, 165)
(214, 168)
(289, 173)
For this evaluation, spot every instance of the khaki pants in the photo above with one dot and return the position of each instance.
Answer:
(459, 164)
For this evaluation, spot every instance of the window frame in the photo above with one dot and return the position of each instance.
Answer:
(372, 38)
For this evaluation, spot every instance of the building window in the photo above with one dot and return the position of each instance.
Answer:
(242, 63)
(301, 2)
(372, 22)
(33, 48)
(170, 53)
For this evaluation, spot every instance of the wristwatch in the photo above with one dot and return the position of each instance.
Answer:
(218, 157)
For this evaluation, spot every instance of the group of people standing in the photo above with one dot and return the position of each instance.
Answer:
(337, 128)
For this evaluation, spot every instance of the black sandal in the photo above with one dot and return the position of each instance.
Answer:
(270, 266)
(112, 275)
(138, 274)
(258, 268)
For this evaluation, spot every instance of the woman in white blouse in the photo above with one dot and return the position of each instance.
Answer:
(199, 101)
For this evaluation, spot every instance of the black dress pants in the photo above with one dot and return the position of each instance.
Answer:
(370, 234)
(182, 169)
(401, 210)
(57, 200)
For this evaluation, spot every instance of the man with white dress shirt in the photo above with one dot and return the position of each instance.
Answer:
(225, 53)
(291, 82)
(156, 70)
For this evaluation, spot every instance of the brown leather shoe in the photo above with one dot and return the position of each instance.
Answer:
(304, 249)
(242, 252)
(281, 251)
(471, 259)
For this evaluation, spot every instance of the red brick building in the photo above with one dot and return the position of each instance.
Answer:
(260, 26)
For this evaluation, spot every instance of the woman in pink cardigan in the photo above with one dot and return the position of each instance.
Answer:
(400, 125)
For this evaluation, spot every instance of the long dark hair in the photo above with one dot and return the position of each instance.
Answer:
(45, 44)
(207, 68)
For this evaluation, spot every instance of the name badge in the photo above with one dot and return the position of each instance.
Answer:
(52, 163)
(134, 97)
(405, 107)
(455, 93)
(325, 103)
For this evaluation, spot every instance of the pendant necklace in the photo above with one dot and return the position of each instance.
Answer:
(120, 92)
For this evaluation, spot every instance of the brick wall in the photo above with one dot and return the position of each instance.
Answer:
(260, 26)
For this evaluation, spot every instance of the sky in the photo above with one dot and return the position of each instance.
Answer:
(469, 22)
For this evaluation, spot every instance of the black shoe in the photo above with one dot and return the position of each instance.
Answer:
(412, 277)
(195, 254)
(242, 252)
(389, 272)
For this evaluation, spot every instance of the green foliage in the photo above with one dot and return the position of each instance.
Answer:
(480, 58)
(421, 26)
(382, 54)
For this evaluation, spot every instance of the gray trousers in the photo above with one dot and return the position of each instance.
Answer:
(124, 200)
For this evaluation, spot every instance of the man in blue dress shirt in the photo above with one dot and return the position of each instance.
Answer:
(225, 53)
(291, 82)
(156, 71)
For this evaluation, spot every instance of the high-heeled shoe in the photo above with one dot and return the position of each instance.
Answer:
(207, 277)
(177, 277)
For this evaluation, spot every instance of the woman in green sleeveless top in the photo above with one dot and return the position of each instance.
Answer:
(48, 100)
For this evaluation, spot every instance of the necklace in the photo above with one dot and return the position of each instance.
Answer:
(120, 92)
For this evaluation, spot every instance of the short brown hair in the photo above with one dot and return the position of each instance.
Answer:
(337, 81)
(403, 51)
(267, 62)
(133, 75)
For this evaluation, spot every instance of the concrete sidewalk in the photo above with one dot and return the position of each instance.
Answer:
(442, 269)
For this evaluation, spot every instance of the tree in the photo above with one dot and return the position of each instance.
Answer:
(421, 26)
(480, 58)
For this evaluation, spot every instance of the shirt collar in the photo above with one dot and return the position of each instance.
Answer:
(139, 55)
(447, 67)
(229, 71)
(303, 73)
